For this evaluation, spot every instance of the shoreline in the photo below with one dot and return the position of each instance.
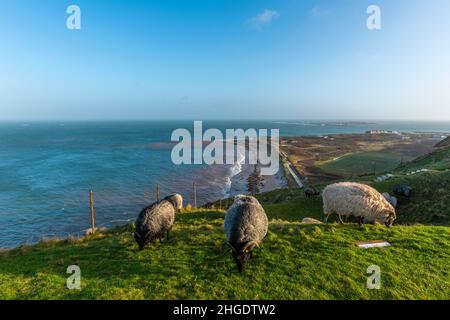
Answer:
(247, 178)
(242, 178)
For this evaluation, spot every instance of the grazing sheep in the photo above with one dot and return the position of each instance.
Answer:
(402, 190)
(176, 200)
(157, 220)
(246, 226)
(358, 200)
(311, 192)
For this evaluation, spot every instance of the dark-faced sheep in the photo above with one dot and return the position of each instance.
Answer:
(245, 226)
(358, 200)
(156, 220)
(311, 192)
(404, 191)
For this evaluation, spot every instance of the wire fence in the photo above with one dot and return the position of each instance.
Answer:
(51, 226)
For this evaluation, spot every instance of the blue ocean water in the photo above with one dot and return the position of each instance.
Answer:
(48, 168)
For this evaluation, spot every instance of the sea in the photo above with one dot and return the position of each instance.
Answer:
(47, 169)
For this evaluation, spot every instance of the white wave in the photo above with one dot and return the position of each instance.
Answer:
(234, 170)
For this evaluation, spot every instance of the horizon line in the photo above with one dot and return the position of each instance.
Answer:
(225, 119)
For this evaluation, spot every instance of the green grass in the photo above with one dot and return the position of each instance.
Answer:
(430, 203)
(436, 160)
(295, 261)
(363, 163)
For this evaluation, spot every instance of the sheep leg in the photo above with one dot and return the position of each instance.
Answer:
(168, 235)
(361, 220)
(340, 219)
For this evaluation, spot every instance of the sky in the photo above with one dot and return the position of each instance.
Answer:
(225, 59)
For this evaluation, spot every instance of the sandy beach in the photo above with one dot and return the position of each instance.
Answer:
(247, 181)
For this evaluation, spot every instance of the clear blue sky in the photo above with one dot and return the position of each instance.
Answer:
(203, 59)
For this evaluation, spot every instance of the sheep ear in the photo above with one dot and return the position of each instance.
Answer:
(249, 246)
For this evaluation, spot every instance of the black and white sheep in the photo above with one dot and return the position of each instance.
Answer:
(311, 192)
(245, 226)
(156, 220)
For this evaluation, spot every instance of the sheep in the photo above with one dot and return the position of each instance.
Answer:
(311, 192)
(156, 220)
(402, 190)
(359, 200)
(245, 226)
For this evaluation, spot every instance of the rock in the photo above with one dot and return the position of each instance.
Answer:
(391, 199)
(89, 231)
(311, 221)
(386, 195)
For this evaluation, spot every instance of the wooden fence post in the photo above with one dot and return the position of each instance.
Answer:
(157, 192)
(91, 200)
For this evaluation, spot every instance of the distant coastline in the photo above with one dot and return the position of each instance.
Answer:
(48, 170)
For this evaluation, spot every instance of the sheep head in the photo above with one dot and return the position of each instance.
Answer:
(242, 256)
(139, 239)
(389, 217)
(243, 199)
(176, 200)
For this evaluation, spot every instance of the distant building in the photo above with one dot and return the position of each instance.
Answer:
(382, 132)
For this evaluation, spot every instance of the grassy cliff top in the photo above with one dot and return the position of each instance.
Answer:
(295, 261)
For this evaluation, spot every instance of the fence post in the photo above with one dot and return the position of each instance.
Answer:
(91, 201)
(194, 187)
(157, 192)
(220, 204)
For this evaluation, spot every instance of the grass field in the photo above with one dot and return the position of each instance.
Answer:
(437, 160)
(363, 163)
(294, 262)
(430, 203)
